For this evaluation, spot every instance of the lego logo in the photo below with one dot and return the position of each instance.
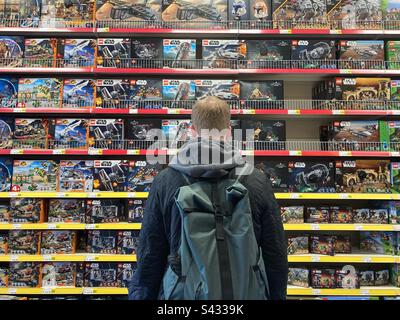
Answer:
(303, 43)
(206, 82)
(94, 265)
(349, 164)
(339, 81)
(108, 82)
(175, 42)
(345, 123)
(137, 201)
(95, 202)
(109, 41)
(299, 165)
(395, 165)
(126, 233)
(166, 42)
(205, 42)
(294, 42)
(141, 82)
(351, 43)
(141, 163)
(349, 81)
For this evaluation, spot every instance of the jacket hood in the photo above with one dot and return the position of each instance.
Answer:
(203, 158)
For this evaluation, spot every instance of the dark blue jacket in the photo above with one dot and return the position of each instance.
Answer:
(160, 234)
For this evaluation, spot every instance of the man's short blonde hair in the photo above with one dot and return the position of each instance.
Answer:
(211, 113)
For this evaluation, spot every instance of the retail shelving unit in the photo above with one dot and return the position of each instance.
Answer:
(292, 109)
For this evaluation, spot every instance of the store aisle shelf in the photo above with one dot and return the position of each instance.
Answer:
(343, 258)
(70, 226)
(64, 290)
(363, 291)
(78, 257)
(340, 227)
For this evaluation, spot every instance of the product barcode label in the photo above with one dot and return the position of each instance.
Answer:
(294, 196)
(16, 226)
(364, 292)
(88, 291)
(14, 258)
(91, 226)
(295, 112)
(315, 227)
(16, 151)
(135, 152)
(52, 226)
(59, 151)
(295, 153)
(91, 258)
(285, 31)
(12, 291)
(48, 257)
(338, 112)
(173, 111)
(48, 291)
(95, 152)
(358, 227)
(316, 292)
(315, 259)
(367, 259)
(344, 154)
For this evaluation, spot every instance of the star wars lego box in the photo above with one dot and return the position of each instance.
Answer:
(4, 212)
(264, 134)
(125, 272)
(395, 93)
(322, 245)
(223, 53)
(39, 92)
(35, 175)
(105, 211)
(66, 133)
(362, 54)
(69, 14)
(379, 216)
(264, 52)
(26, 210)
(121, 13)
(11, 51)
(299, 14)
(23, 242)
(113, 53)
(141, 176)
(58, 242)
(323, 278)
(106, 133)
(179, 53)
(176, 131)
(314, 54)
(40, 53)
(367, 277)
(311, 176)
(377, 242)
(138, 129)
(101, 274)
(292, 214)
(382, 277)
(223, 89)
(354, 14)
(194, 12)
(127, 241)
(110, 175)
(77, 53)
(66, 210)
(147, 53)
(298, 245)
(4, 273)
(9, 92)
(361, 215)
(24, 274)
(146, 94)
(318, 214)
(266, 93)
(363, 176)
(75, 176)
(342, 244)
(6, 171)
(177, 92)
(3, 242)
(58, 274)
(6, 132)
(136, 210)
(276, 172)
(347, 278)
(30, 133)
(341, 215)
(78, 93)
(299, 277)
(101, 241)
(112, 93)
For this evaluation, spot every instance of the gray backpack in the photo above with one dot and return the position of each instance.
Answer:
(219, 258)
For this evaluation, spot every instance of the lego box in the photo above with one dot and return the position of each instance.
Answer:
(58, 274)
(67, 133)
(393, 53)
(58, 242)
(106, 133)
(391, 12)
(26, 210)
(135, 10)
(314, 54)
(318, 214)
(9, 92)
(113, 53)
(323, 278)
(127, 241)
(4, 212)
(24, 274)
(146, 94)
(6, 171)
(146, 49)
(176, 130)
(78, 93)
(39, 92)
(263, 53)
(347, 278)
(362, 54)
(101, 275)
(342, 245)
(268, 93)
(223, 53)
(30, 133)
(341, 215)
(377, 242)
(78, 52)
(34, 175)
(299, 277)
(4, 272)
(11, 51)
(298, 245)
(395, 176)
(40, 53)
(293, 214)
(355, 14)
(6, 132)
(264, 130)
(125, 273)
(179, 53)
(363, 176)
(177, 91)
(395, 92)
(223, 89)
(112, 93)
(69, 13)
(136, 210)
(194, 11)
(276, 172)
(294, 14)
(354, 89)
(322, 245)
(3, 242)
(76, 176)
(105, 211)
(66, 210)
(23, 242)
(141, 176)
(138, 129)
(110, 175)
(102, 241)
(311, 176)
